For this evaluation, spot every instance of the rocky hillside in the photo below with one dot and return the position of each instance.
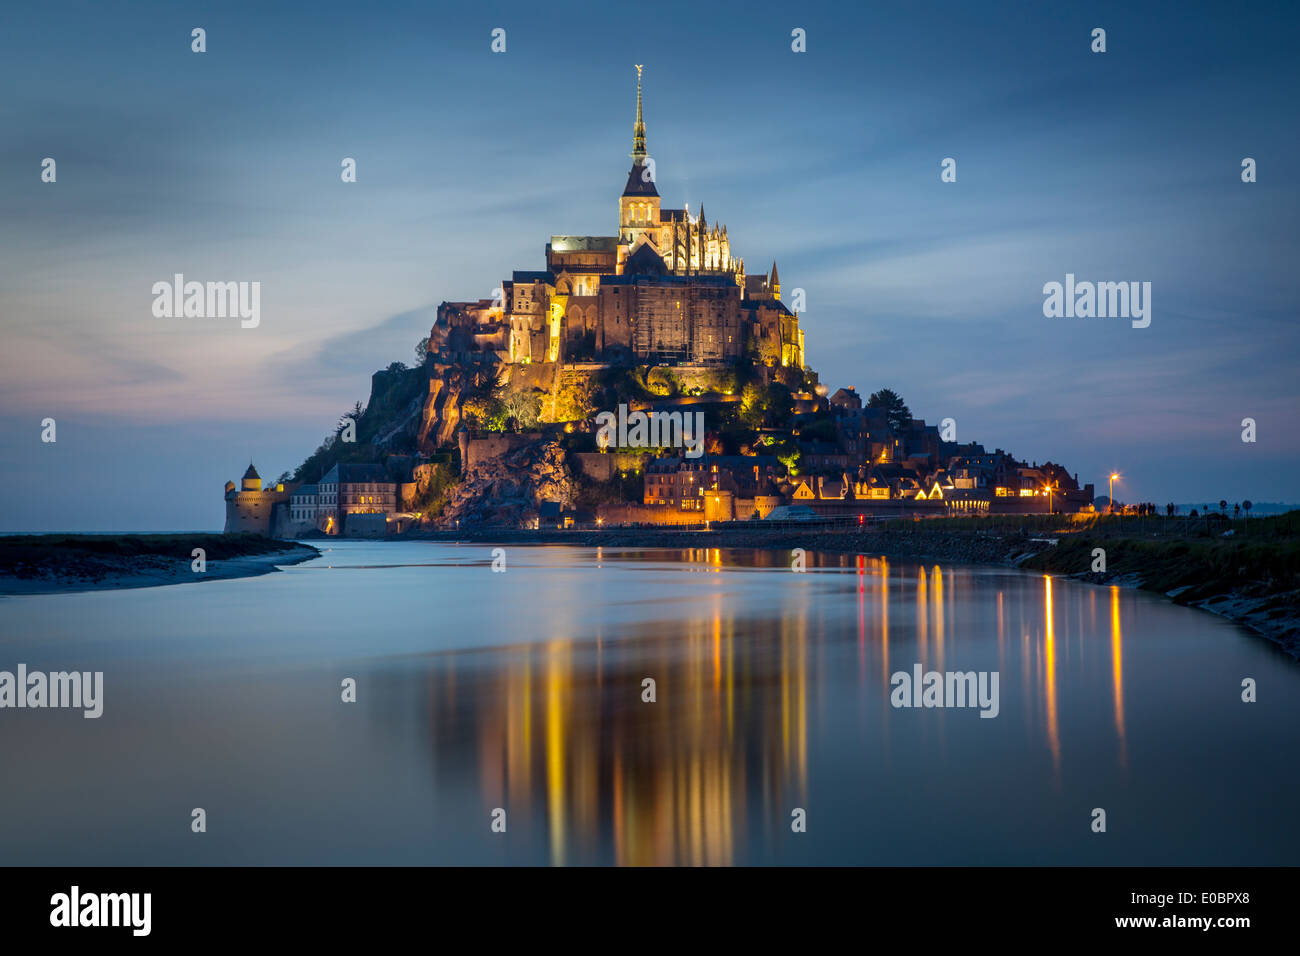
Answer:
(508, 491)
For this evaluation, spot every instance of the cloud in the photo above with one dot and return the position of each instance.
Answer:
(347, 354)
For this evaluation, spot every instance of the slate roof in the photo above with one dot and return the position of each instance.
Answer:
(645, 261)
(354, 474)
(637, 185)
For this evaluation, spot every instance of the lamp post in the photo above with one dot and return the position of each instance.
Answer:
(1111, 506)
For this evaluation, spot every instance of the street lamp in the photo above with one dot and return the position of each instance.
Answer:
(1048, 489)
(1111, 506)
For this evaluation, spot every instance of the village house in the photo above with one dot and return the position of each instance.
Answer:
(351, 489)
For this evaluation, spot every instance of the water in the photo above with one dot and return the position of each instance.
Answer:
(523, 691)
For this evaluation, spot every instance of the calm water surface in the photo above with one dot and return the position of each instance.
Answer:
(522, 690)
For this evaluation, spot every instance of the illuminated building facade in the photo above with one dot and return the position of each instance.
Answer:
(666, 289)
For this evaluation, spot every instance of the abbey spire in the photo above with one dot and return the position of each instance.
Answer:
(641, 178)
(638, 131)
(638, 207)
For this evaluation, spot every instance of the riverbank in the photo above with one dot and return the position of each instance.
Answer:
(50, 564)
(1252, 579)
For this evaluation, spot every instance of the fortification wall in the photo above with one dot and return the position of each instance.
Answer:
(479, 450)
(365, 526)
(646, 514)
(602, 466)
(250, 512)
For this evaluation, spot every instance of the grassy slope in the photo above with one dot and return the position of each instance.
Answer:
(1206, 566)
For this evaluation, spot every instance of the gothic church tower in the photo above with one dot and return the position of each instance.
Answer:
(638, 207)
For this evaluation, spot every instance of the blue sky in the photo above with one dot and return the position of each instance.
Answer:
(225, 165)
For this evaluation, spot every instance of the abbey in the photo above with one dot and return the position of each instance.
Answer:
(665, 290)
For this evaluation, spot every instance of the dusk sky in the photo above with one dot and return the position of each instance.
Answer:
(1122, 166)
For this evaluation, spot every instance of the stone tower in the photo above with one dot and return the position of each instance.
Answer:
(252, 509)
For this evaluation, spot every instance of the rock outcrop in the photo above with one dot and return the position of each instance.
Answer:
(507, 491)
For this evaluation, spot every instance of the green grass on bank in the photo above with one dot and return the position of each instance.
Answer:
(1206, 566)
(1103, 525)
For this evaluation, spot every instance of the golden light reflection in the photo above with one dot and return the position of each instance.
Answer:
(884, 619)
(1050, 675)
(937, 592)
(557, 732)
(922, 616)
(1002, 630)
(558, 676)
(1117, 672)
(861, 563)
(611, 778)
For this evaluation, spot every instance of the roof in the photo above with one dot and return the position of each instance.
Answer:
(252, 473)
(755, 304)
(645, 261)
(792, 513)
(306, 490)
(817, 447)
(346, 474)
(674, 462)
(584, 243)
(847, 396)
(640, 182)
(632, 278)
(533, 277)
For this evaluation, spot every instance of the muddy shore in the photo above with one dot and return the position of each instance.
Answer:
(53, 564)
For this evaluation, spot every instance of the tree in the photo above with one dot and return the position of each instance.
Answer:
(524, 406)
(778, 405)
(789, 456)
(421, 350)
(771, 407)
(1223, 506)
(1247, 505)
(484, 412)
(397, 367)
(574, 403)
(751, 406)
(897, 414)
